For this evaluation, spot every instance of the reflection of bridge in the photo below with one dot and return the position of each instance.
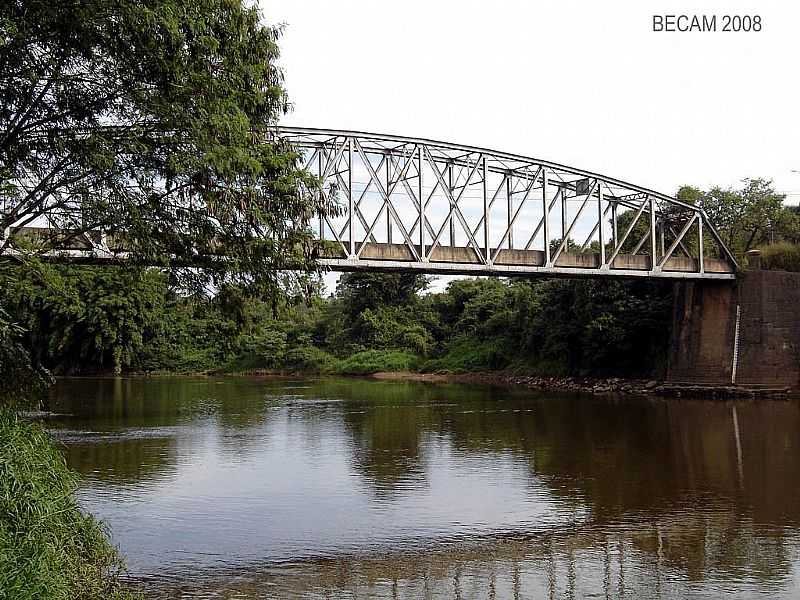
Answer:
(414, 204)
(444, 208)
(612, 560)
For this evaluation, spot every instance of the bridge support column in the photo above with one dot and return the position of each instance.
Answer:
(747, 332)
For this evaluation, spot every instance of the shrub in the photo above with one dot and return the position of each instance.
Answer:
(268, 345)
(21, 382)
(781, 256)
(309, 359)
(48, 547)
(374, 361)
(468, 355)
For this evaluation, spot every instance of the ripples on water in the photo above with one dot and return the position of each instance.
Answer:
(247, 488)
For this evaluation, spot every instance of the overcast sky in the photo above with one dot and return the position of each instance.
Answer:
(588, 83)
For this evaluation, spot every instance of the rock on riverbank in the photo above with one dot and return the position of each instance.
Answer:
(590, 385)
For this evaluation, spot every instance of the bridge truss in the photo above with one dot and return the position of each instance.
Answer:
(416, 204)
(434, 207)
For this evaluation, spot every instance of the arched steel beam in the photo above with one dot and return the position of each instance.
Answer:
(554, 184)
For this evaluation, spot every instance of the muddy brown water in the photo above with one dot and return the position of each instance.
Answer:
(254, 488)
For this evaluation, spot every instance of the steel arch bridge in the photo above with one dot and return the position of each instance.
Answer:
(434, 207)
(414, 204)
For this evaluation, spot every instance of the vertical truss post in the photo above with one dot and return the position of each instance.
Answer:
(546, 218)
(388, 200)
(486, 252)
(600, 235)
(420, 195)
(700, 245)
(510, 202)
(352, 242)
(321, 188)
(450, 187)
(4, 231)
(5, 227)
(589, 194)
(564, 218)
(661, 240)
(614, 233)
(653, 248)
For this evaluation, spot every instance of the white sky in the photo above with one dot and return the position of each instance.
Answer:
(583, 83)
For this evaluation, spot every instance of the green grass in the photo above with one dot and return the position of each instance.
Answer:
(375, 361)
(48, 547)
(781, 256)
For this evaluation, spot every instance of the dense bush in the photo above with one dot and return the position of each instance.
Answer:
(48, 547)
(309, 359)
(466, 355)
(21, 382)
(781, 256)
(143, 324)
(76, 317)
(376, 361)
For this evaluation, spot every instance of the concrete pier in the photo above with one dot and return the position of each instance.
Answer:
(745, 332)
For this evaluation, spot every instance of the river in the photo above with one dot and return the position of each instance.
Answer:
(257, 488)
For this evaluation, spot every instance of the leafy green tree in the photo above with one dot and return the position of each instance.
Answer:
(20, 381)
(395, 327)
(747, 217)
(483, 305)
(369, 311)
(598, 326)
(84, 316)
(149, 122)
(359, 291)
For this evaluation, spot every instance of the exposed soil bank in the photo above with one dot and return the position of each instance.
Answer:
(590, 385)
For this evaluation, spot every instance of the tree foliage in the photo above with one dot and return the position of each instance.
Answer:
(90, 319)
(149, 121)
(94, 315)
(20, 380)
(750, 216)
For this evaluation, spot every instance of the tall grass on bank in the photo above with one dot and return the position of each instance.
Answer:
(781, 256)
(375, 361)
(48, 547)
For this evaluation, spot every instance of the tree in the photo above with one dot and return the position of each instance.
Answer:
(748, 217)
(744, 218)
(593, 326)
(79, 317)
(149, 122)
(359, 291)
(20, 381)
(376, 311)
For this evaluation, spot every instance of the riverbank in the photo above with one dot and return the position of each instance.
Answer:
(584, 385)
(592, 385)
(49, 547)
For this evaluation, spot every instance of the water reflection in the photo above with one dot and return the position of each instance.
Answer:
(382, 489)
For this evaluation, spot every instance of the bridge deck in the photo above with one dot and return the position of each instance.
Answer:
(508, 262)
(454, 260)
